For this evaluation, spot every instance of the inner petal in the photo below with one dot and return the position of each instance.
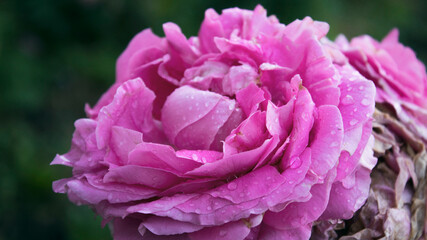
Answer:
(192, 118)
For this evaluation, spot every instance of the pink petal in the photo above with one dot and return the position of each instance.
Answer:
(126, 229)
(270, 233)
(326, 139)
(168, 226)
(131, 108)
(230, 231)
(250, 98)
(236, 163)
(144, 176)
(302, 124)
(192, 118)
(161, 157)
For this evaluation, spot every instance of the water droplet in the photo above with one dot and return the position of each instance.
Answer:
(295, 162)
(353, 122)
(333, 132)
(154, 179)
(304, 116)
(365, 102)
(347, 100)
(268, 178)
(231, 106)
(192, 97)
(209, 208)
(232, 186)
(194, 157)
(361, 88)
(197, 211)
(222, 233)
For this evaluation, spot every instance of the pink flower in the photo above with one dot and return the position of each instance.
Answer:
(399, 76)
(251, 130)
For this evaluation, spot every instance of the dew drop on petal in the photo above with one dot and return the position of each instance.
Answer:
(232, 186)
(365, 102)
(347, 100)
(353, 122)
(295, 162)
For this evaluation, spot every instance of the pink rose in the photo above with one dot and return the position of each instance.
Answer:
(251, 130)
(399, 76)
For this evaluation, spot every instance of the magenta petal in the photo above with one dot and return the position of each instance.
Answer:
(250, 98)
(326, 139)
(123, 141)
(210, 28)
(192, 185)
(230, 231)
(238, 77)
(84, 154)
(178, 44)
(168, 226)
(270, 233)
(131, 108)
(350, 193)
(318, 29)
(161, 157)
(192, 118)
(81, 192)
(144, 176)
(299, 214)
(279, 119)
(202, 156)
(126, 229)
(143, 40)
(201, 77)
(302, 124)
(250, 134)
(357, 98)
(236, 163)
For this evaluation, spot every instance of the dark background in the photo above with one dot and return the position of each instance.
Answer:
(57, 55)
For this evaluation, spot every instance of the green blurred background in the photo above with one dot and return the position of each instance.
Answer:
(57, 55)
